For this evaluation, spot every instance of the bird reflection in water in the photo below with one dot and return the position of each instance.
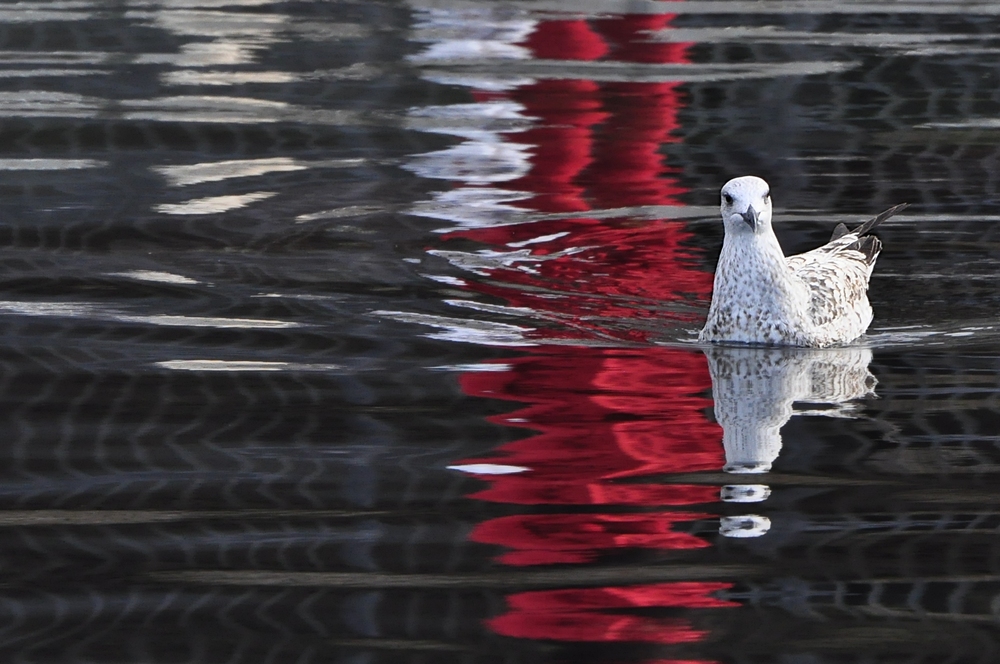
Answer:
(755, 390)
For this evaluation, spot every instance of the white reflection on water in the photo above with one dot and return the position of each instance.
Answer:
(745, 493)
(475, 162)
(211, 23)
(97, 312)
(189, 77)
(754, 390)
(745, 526)
(204, 108)
(243, 365)
(154, 276)
(486, 157)
(201, 54)
(214, 171)
(201, 4)
(469, 32)
(474, 207)
(38, 73)
(45, 104)
(487, 333)
(489, 469)
(485, 260)
(49, 164)
(206, 321)
(493, 367)
(214, 204)
(347, 211)
(56, 57)
(37, 12)
(236, 37)
(182, 108)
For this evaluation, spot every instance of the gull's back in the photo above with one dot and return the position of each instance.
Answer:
(837, 276)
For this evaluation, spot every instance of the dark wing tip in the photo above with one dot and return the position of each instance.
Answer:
(870, 246)
(839, 232)
(870, 225)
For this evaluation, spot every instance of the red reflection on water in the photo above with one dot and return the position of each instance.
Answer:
(604, 416)
(617, 269)
(580, 614)
(605, 420)
(597, 146)
(566, 40)
(561, 143)
(544, 539)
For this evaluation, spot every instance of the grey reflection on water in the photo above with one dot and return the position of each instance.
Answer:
(755, 390)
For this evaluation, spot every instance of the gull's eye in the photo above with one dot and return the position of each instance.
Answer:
(728, 199)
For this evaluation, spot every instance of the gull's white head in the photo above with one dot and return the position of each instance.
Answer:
(746, 205)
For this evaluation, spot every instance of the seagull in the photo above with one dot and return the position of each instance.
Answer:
(760, 296)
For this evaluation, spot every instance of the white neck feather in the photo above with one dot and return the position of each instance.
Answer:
(752, 269)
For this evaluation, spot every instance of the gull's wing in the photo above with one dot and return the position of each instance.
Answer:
(870, 225)
(837, 276)
(867, 227)
(837, 273)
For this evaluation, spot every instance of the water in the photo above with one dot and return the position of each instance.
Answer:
(364, 332)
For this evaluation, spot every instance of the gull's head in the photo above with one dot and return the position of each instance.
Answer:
(746, 205)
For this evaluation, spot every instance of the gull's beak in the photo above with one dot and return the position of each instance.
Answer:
(750, 216)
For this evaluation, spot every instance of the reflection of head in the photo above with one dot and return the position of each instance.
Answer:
(749, 525)
(754, 389)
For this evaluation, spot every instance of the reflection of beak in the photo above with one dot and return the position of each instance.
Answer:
(750, 216)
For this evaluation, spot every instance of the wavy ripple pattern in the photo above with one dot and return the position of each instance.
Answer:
(227, 416)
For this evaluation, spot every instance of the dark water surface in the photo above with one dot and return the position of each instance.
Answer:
(363, 332)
